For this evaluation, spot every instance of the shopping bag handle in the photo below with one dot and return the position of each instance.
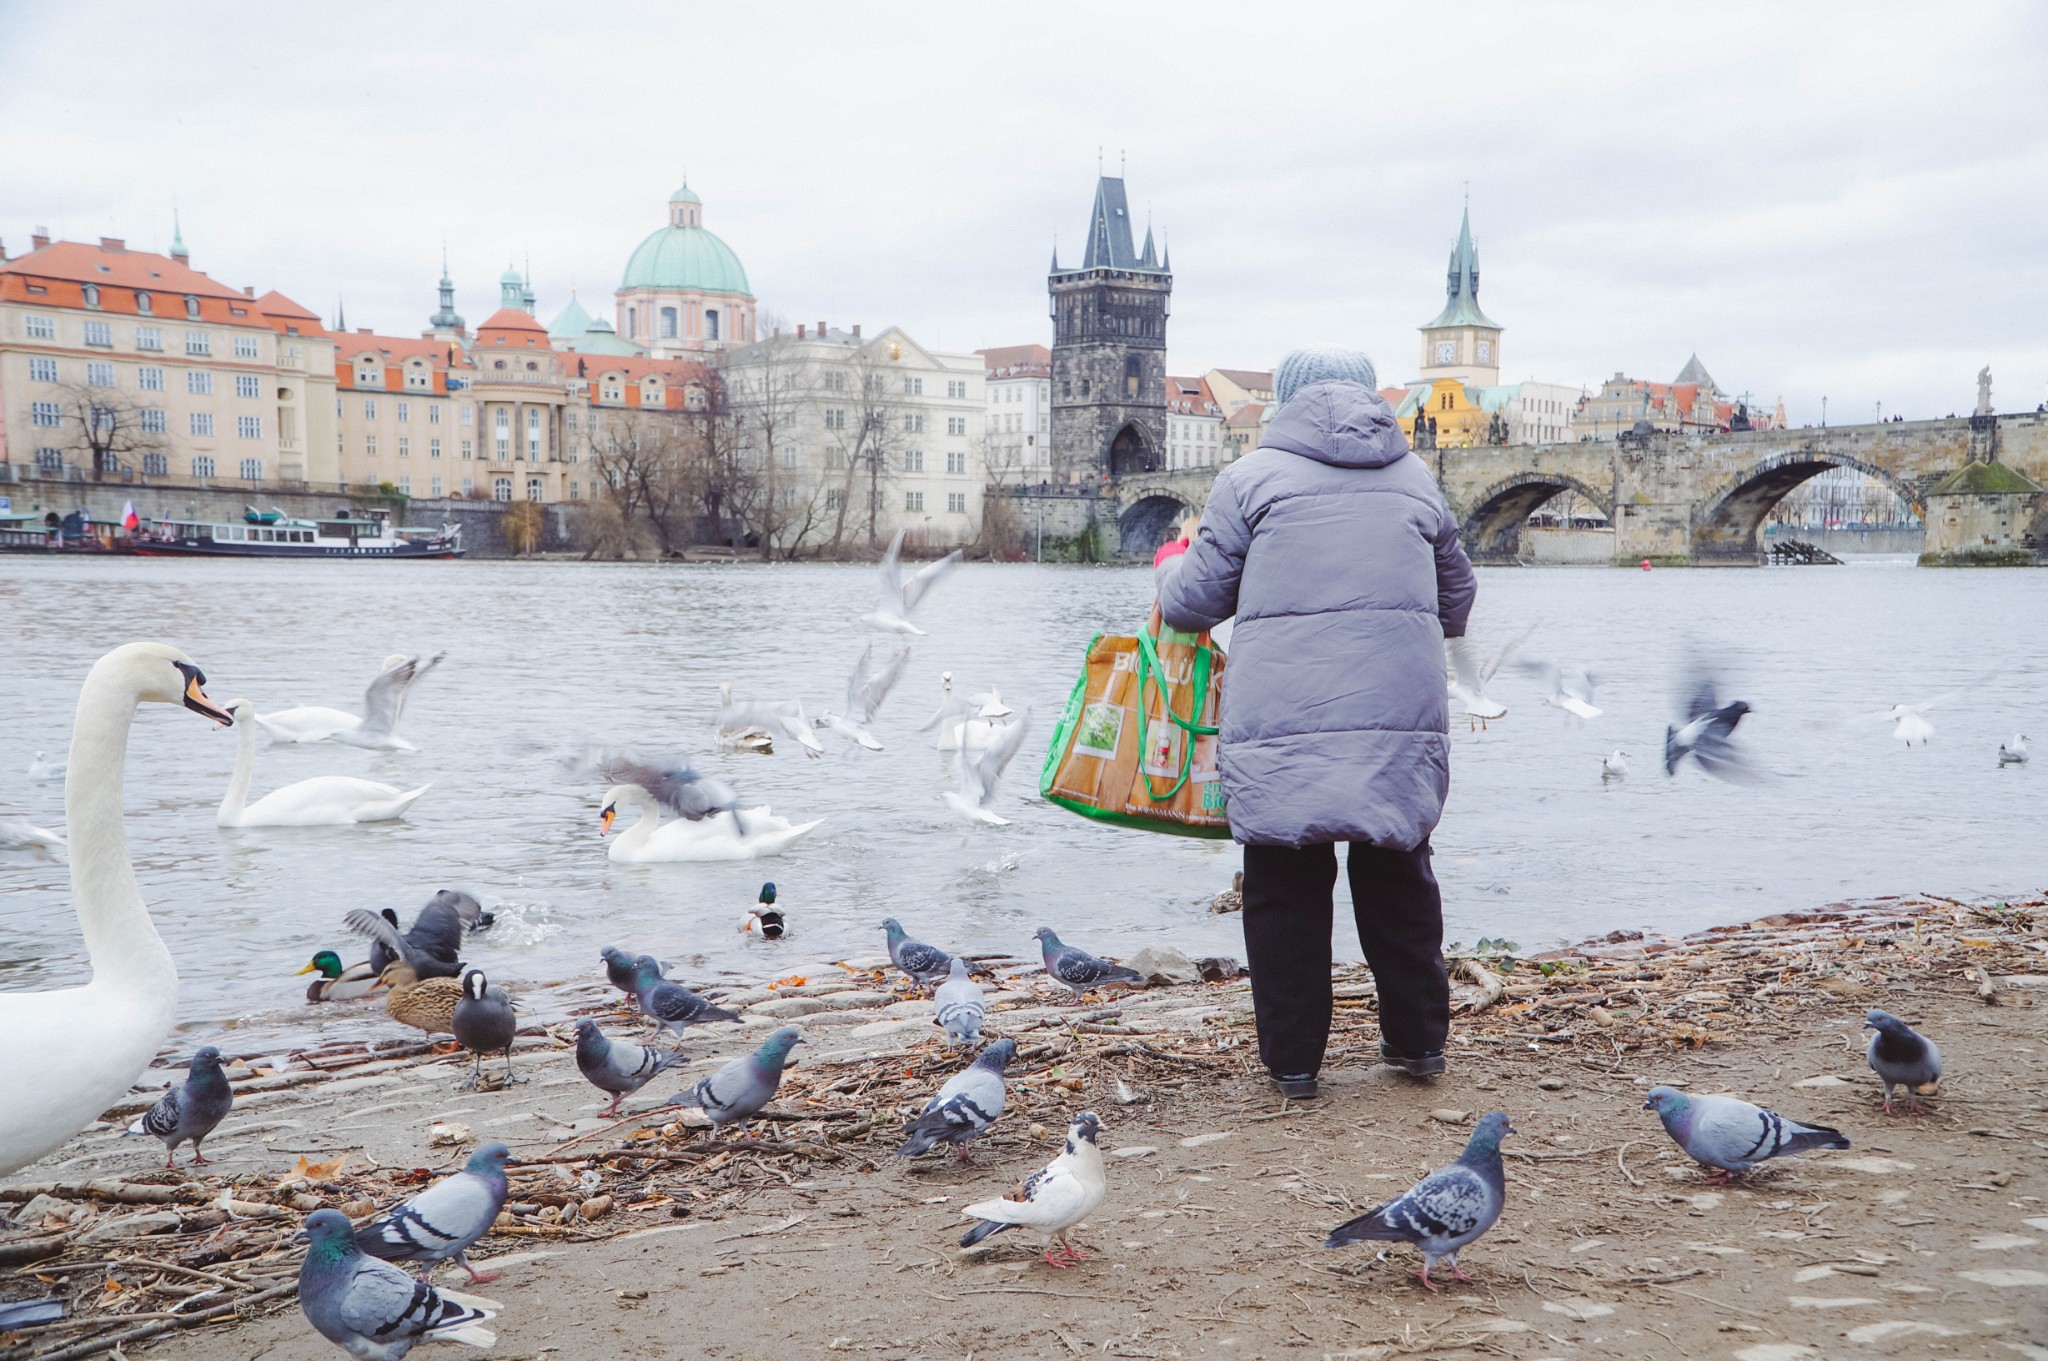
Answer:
(1149, 666)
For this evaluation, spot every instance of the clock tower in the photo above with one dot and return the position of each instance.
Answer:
(1462, 342)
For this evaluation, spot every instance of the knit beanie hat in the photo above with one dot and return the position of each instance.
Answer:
(1322, 364)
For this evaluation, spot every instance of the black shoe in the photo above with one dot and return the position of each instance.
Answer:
(1429, 1065)
(1299, 1087)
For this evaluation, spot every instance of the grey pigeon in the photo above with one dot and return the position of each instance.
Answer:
(671, 1006)
(623, 970)
(960, 1006)
(485, 1024)
(1730, 1135)
(1706, 732)
(1901, 1057)
(968, 1104)
(1080, 970)
(926, 964)
(1446, 1210)
(189, 1110)
(445, 1219)
(616, 1066)
(741, 1088)
(370, 1309)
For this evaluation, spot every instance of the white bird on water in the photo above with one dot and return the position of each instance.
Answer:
(1571, 687)
(1614, 766)
(323, 801)
(754, 726)
(2013, 753)
(377, 728)
(39, 769)
(900, 594)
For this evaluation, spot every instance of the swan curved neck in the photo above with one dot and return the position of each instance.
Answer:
(237, 798)
(119, 936)
(650, 817)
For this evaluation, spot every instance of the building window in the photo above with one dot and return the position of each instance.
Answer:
(143, 302)
(200, 423)
(533, 489)
(834, 498)
(404, 411)
(199, 382)
(370, 377)
(501, 489)
(248, 385)
(405, 483)
(956, 502)
(46, 413)
(468, 450)
(956, 425)
(149, 338)
(249, 427)
(956, 461)
(787, 455)
(533, 435)
(149, 378)
(913, 500)
(191, 306)
(835, 417)
(252, 470)
(369, 408)
(913, 460)
(202, 466)
(913, 387)
(39, 328)
(42, 370)
(247, 348)
(433, 448)
(154, 421)
(405, 446)
(711, 324)
(632, 326)
(198, 342)
(468, 485)
(469, 415)
(370, 446)
(433, 413)
(99, 333)
(668, 323)
(436, 485)
(49, 460)
(835, 382)
(419, 378)
(956, 388)
(92, 297)
(156, 465)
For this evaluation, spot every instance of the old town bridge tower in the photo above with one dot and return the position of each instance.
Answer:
(1109, 349)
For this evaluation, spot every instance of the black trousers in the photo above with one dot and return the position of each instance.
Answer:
(1288, 912)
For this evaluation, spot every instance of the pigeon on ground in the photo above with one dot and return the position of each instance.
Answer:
(926, 964)
(485, 1024)
(1446, 1210)
(370, 1309)
(623, 970)
(1730, 1135)
(1614, 766)
(1705, 734)
(617, 1066)
(445, 1219)
(1053, 1199)
(968, 1104)
(1901, 1057)
(764, 918)
(2013, 753)
(672, 1006)
(27, 1313)
(189, 1110)
(900, 593)
(736, 1092)
(960, 1006)
(1080, 970)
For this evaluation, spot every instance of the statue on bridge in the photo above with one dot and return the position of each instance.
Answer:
(1984, 391)
(1496, 429)
(1425, 432)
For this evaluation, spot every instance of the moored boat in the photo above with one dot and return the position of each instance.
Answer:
(272, 534)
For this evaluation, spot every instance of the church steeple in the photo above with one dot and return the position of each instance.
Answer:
(178, 251)
(1461, 342)
(1146, 259)
(1461, 282)
(446, 322)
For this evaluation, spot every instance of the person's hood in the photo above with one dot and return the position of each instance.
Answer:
(1347, 425)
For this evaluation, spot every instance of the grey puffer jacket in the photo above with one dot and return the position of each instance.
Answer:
(1334, 549)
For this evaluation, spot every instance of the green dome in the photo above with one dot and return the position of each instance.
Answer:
(684, 195)
(688, 258)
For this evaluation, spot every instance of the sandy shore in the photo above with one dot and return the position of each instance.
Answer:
(639, 1238)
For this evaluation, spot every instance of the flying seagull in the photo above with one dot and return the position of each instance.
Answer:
(900, 593)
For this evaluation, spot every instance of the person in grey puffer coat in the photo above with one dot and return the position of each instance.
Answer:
(1334, 550)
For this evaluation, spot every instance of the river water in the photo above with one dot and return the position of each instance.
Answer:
(546, 655)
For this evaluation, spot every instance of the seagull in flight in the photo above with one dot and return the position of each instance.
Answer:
(1571, 687)
(1470, 677)
(900, 593)
(866, 688)
(754, 726)
(1909, 724)
(980, 771)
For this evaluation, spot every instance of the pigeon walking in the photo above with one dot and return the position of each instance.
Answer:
(1080, 970)
(1705, 732)
(1901, 1057)
(1053, 1199)
(672, 1006)
(739, 1090)
(968, 1104)
(1730, 1135)
(1445, 1211)
(623, 970)
(959, 1006)
(485, 1024)
(189, 1110)
(926, 964)
(617, 1066)
(443, 1221)
(370, 1309)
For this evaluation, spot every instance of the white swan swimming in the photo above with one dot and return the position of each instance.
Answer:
(742, 834)
(323, 801)
(69, 1053)
(383, 707)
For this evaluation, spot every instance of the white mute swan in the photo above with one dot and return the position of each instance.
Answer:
(323, 801)
(383, 707)
(738, 834)
(69, 1053)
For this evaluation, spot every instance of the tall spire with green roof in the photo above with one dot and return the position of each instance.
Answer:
(1461, 287)
(178, 251)
(446, 318)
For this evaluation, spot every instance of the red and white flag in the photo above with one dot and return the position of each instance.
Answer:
(129, 519)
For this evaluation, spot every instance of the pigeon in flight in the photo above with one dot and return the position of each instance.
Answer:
(968, 1104)
(189, 1110)
(959, 1006)
(1053, 1199)
(900, 593)
(1706, 732)
(443, 1221)
(1080, 970)
(1901, 1057)
(677, 787)
(926, 964)
(371, 1309)
(1445, 1211)
(617, 1066)
(741, 1089)
(1730, 1135)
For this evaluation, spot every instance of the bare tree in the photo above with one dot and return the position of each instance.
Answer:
(768, 389)
(644, 461)
(104, 429)
(871, 442)
(721, 452)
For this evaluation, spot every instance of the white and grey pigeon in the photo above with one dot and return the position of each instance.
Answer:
(2013, 753)
(443, 1221)
(1614, 766)
(671, 1006)
(1568, 687)
(1730, 1135)
(40, 769)
(866, 688)
(618, 1066)
(925, 964)
(967, 1105)
(189, 1110)
(1445, 1211)
(900, 593)
(1705, 732)
(744, 725)
(981, 767)
(959, 1006)
(1053, 1199)
(1901, 1057)
(371, 1309)
(1080, 970)
(741, 1089)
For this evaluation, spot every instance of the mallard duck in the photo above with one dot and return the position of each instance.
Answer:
(335, 983)
(424, 1003)
(765, 919)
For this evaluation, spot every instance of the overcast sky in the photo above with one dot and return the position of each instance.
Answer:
(1843, 200)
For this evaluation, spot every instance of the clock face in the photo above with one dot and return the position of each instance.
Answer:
(1444, 351)
(1485, 352)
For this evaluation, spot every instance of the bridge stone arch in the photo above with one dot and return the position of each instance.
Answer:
(1726, 526)
(1148, 516)
(1492, 529)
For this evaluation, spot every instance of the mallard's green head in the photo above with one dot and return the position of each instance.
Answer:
(327, 964)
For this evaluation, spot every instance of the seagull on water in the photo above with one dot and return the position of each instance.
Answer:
(1614, 766)
(2013, 753)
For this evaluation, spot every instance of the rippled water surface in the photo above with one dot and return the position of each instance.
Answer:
(545, 655)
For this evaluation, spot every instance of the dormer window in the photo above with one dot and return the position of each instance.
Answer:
(191, 306)
(92, 295)
(142, 303)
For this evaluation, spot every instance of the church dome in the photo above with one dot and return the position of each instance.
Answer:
(684, 257)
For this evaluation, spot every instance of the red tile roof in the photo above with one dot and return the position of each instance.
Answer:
(510, 326)
(58, 274)
(1260, 379)
(1007, 357)
(282, 313)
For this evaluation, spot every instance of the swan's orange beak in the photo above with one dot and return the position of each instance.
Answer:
(604, 819)
(195, 696)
